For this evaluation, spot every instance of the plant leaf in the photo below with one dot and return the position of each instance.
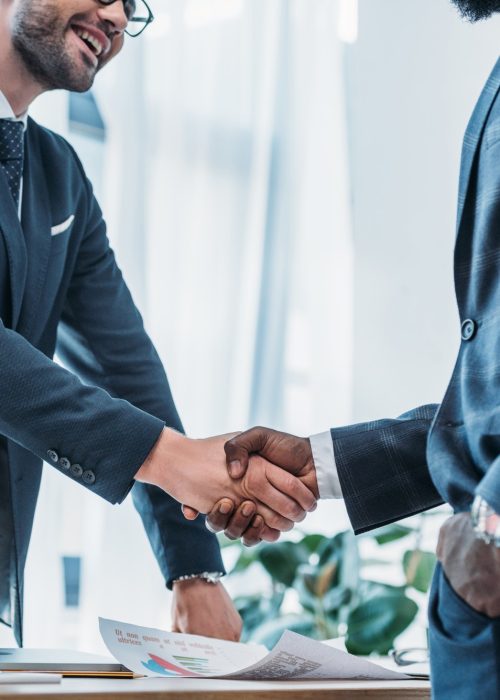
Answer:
(271, 631)
(374, 624)
(325, 579)
(335, 599)
(419, 568)
(313, 542)
(390, 533)
(349, 562)
(256, 609)
(282, 559)
(247, 558)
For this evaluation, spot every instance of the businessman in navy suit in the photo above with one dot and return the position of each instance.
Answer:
(106, 419)
(390, 469)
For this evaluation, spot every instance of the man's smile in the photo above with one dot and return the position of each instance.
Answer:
(95, 43)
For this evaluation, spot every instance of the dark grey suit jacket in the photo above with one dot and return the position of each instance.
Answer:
(96, 423)
(393, 468)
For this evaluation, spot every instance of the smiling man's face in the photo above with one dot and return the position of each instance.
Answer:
(474, 10)
(63, 43)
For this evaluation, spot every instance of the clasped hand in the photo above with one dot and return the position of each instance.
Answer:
(254, 489)
(287, 462)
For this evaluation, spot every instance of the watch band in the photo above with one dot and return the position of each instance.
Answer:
(208, 576)
(485, 521)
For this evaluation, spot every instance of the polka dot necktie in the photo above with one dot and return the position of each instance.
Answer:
(12, 154)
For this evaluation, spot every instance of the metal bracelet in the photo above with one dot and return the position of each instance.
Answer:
(485, 522)
(208, 576)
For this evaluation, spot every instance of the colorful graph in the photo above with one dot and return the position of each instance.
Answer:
(199, 666)
(158, 665)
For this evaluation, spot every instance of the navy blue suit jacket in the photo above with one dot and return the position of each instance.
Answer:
(65, 292)
(393, 468)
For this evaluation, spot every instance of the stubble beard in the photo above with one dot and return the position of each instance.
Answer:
(475, 10)
(39, 37)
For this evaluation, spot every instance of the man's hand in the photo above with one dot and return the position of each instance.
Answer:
(194, 472)
(293, 454)
(241, 522)
(471, 566)
(200, 607)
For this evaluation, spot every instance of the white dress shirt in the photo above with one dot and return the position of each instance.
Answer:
(326, 468)
(6, 112)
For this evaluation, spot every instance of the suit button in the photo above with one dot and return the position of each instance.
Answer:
(76, 470)
(469, 329)
(53, 456)
(88, 477)
(65, 463)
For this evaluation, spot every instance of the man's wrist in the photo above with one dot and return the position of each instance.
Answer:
(155, 468)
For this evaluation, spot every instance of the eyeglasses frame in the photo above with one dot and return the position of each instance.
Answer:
(146, 21)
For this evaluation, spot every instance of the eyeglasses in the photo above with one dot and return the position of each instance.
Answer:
(138, 13)
(413, 655)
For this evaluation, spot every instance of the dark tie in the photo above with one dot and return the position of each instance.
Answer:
(12, 154)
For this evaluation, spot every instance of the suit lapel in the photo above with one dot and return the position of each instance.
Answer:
(473, 135)
(36, 222)
(10, 228)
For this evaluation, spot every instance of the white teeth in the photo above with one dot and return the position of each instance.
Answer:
(95, 43)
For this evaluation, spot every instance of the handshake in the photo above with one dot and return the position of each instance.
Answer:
(253, 485)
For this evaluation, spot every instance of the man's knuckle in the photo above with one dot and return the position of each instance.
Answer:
(274, 521)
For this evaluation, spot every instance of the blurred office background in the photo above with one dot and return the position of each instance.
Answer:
(279, 179)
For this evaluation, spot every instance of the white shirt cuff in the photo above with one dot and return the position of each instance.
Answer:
(326, 468)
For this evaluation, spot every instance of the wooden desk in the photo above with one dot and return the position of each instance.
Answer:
(194, 689)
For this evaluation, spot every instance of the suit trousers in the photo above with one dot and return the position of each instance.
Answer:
(464, 646)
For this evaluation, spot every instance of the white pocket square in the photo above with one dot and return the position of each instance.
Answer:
(61, 228)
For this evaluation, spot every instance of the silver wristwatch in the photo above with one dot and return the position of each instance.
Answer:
(485, 521)
(208, 576)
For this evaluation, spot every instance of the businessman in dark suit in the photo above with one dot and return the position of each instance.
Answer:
(390, 469)
(101, 420)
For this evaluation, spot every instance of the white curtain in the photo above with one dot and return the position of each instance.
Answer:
(248, 248)
(226, 190)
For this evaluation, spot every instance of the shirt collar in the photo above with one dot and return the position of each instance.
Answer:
(6, 111)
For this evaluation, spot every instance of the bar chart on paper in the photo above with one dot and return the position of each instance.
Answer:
(188, 666)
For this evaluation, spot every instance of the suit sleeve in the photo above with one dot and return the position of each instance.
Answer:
(102, 338)
(49, 411)
(383, 470)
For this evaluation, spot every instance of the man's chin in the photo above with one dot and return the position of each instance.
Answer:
(80, 78)
(73, 83)
(82, 86)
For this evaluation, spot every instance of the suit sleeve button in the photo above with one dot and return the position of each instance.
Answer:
(64, 463)
(88, 477)
(469, 328)
(53, 456)
(76, 470)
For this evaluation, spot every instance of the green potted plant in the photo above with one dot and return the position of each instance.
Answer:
(333, 598)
